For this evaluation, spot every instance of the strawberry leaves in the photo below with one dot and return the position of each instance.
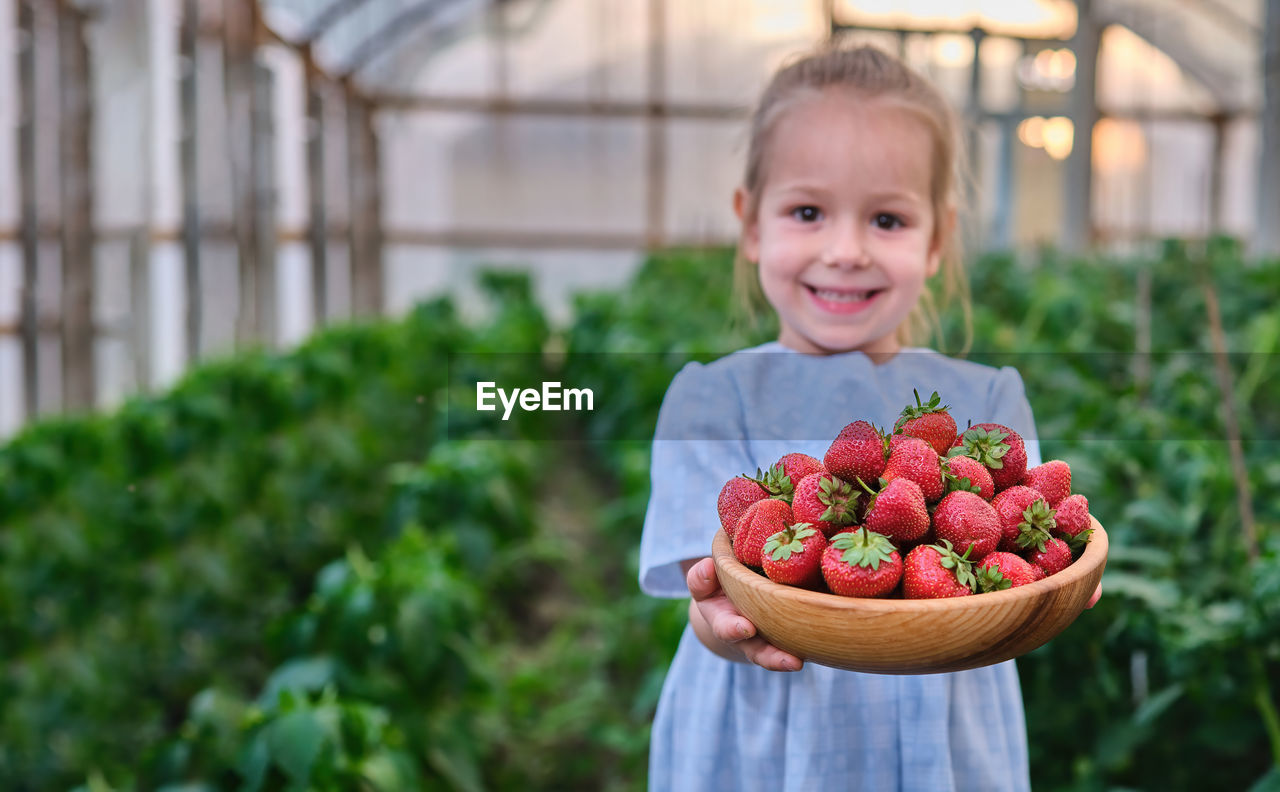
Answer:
(1037, 525)
(953, 483)
(989, 578)
(957, 564)
(839, 498)
(775, 481)
(986, 446)
(1077, 543)
(864, 548)
(789, 540)
(934, 405)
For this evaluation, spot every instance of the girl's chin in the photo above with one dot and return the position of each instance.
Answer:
(821, 344)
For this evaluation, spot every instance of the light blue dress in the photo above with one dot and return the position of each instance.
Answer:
(735, 727)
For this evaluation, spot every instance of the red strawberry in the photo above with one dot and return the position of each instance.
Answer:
(997, 447)
(736, 495)
(1010, 570)
(966, 473)
(1036, 573)
(913, 458)
(1073, 523)
(762, 520)
(825, 502)
(794, 555)
(797, 466)
(898, 511)
(1021, 523)
(858, 452)
(861, 563)
(969, 523)
(1053, 479)
(929, 421)
(1053, 558)
(935, 571)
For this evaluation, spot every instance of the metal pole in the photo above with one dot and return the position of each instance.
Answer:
(238, 63)
(140, 313)
(973, 140)
(1266, 235)
(1077, 225)
(262, 134)
(79, 377)
(1215, 173)
(30, 208)
(1006, 169)
(365, 210)
(189, 152)
(317, 230)
(656, 148)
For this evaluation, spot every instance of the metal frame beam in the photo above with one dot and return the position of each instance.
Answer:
(327, 18)
(378, 42)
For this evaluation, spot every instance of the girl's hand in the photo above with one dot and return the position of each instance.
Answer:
(723, 629)
(1097, 594)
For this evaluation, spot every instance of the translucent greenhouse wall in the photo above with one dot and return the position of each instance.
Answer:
(575, 196)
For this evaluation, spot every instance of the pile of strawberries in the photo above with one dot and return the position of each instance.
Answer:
(923, 511)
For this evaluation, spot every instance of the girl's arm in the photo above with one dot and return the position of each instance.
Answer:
(724, 630)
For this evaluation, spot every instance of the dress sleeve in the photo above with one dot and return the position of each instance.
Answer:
(1008, 401)
(699, 444)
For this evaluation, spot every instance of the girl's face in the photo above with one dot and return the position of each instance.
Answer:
(844, 233)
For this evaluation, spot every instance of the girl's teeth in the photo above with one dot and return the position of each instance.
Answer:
(836, 296)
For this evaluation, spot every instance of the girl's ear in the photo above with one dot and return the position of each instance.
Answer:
(750, 243)
(946, 227)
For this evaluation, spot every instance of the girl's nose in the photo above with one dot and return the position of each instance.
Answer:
(846, 249)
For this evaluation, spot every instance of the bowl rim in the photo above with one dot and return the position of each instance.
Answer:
(1094, 555)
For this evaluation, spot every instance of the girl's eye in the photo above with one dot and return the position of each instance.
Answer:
(887, 221)
(806, 214)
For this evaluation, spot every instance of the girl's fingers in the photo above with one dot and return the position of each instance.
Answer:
(730, 626)
(726, 623)
(724, 620)
(768, 656)
(1097, 595)
(702, 580)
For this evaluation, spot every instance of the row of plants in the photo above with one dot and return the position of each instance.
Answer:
(1129, 387)
(144, 555)
(498, 642)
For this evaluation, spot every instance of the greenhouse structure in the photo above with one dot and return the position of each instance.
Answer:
(184, 175)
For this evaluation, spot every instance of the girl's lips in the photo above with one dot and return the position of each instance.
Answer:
(842, 301)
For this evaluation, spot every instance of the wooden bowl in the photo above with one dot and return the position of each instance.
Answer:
(911, 636)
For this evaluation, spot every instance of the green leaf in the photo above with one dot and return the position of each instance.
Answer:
(303, 675)
(295, 740)
(1159, 595)
(1268, 782)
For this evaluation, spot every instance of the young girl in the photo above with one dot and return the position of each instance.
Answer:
(847, 209)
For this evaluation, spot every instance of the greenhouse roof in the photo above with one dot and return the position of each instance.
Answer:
(380, 43)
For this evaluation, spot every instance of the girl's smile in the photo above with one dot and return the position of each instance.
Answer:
(842, 301)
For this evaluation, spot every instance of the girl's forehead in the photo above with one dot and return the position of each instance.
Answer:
(834, 136)
(843, 113)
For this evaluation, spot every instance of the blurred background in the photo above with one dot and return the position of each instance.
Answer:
(242, 242)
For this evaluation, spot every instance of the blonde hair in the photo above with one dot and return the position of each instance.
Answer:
(873, 74)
